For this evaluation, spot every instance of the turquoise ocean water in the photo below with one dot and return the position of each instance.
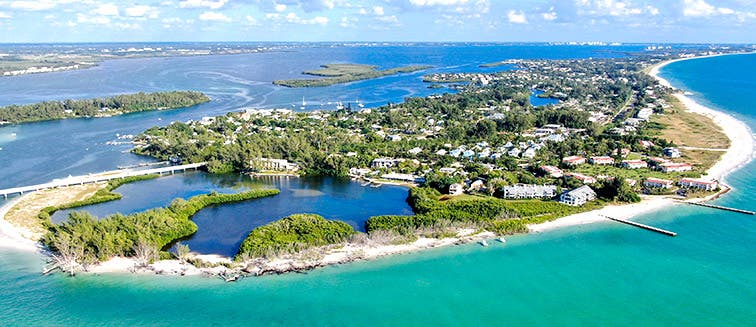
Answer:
(600, 274)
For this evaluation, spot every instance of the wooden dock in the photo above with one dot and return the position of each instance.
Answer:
(100, 177)
(714, 206)
(639, 225)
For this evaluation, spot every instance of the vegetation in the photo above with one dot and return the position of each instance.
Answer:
(100, 107)
(345, 73)
(691, 129)
(103, 195)
(292, 234)
(89, 240)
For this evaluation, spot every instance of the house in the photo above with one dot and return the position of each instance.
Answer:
(634, 164)
(515, 152)
(573, 160)
(456, 189)
(645, 113)
(583, 178)
(441, 152)
(529, 153)
(415, 151)
(602, 160)
(478, 185)
(646, 144)
(672, 152)
(447, 170)
(385, 163)
(530, 191)
(698, 184)
(359, 171)
(652, 182)
(578, 196)
(552, 171)
(273, 164)
(394, 138)
(675, 167)
(403, 178)
(656, 161)
(623, 152)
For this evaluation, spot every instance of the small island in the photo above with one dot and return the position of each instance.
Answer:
(100, 107)
(344, 73)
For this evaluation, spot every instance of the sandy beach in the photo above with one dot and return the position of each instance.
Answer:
(740, 153)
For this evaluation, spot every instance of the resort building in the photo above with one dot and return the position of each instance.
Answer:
(634, 164)
(674, 167)
(672, 152)
(573, 160)
(523, 191)
(403, 178)
(652, 182)
(699, 184)
(273, 165)
(456, 189)
(578, 196)
(385, 163)
(552, 171)
(583, 178)
(602, 160)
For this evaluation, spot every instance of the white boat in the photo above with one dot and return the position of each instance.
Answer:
(502, 240)
(483, 243)
(13, 134)
(339, 106)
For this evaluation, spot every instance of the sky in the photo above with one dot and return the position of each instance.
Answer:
(671, 21)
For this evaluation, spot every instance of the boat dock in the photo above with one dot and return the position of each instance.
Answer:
(714, 206)
(639, 225)
(100, 177)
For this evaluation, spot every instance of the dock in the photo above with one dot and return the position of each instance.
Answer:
(100, 177)
(639, 225)
(714, 206)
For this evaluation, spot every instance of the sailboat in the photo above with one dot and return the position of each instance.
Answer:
(303, 103)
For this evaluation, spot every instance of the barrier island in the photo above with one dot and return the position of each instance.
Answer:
(344, 73)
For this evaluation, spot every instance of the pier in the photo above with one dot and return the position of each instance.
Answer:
(639, 225)
(714, 206)
(100, 177)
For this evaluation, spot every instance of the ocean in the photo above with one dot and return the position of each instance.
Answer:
(598, 274)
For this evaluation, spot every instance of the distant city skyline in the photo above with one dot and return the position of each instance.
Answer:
(675, 21)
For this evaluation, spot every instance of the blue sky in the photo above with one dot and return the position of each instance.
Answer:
(378, 20)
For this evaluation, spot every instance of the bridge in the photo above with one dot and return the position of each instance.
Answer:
(100, 177)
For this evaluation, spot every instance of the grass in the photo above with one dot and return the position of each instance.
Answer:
(702, 158)
(690, 129)
(636, 174)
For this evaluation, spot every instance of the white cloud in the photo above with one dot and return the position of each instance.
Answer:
(429, 3)
(128, 26)
(550, 15)
(348, 22)
(32, 5)
(4, 15)
(612, 8)
(142, 11)
(280, 7)
(106, 9)
(700, 8)
(517, 17)
(212, 16)
(392, 20)
(378, 11)
(251, 21)
(293, 18)
(202, 4)
(95, 20)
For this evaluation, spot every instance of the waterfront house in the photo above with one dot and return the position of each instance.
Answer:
(634, 164)
(578, 196)
(385, 163)
(456, 189)
(354, 171)
(583, 178)
(573, 160)
(552, 171)
(529, 191)
(403, 178)
(602, 160)
(675, 167)
(653, 182)
(266, 164)
(699, 184)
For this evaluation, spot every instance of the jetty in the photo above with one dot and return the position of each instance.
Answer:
(100, 177)
(714, 206)
(639, 225)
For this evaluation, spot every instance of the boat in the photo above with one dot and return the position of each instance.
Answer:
(375, 185)
(13, 134)
(365, 184)
(483, 243)
(502, 240)
(339, 106)
(303, 104)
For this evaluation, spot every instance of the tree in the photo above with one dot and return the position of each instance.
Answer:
(145, 252)
(182, 252)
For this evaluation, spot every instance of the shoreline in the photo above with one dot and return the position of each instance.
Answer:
(739, 154)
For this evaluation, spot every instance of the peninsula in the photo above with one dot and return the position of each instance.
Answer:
(344, 73)
(100, 107)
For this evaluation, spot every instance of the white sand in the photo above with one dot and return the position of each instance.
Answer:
(740, 152)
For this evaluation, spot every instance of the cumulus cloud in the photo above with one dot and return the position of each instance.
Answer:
(251, 21)
(142, 11)
(429, 3)
(378, 11)
(700, 8)
(106, 9)
(612, 8)
(202, 4)
(212, 16)
(550, 14)
(293, 18)
(517, 17)
(4, 15)
(32, 5)
(95, 20)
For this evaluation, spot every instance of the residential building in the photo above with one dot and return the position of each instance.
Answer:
(699, 184)
(656, 161)
(645, 114)
(675, 167)
(385, 163)
(646, 144)
(634, 164)
(658, 183)
(478, 185)
(403, 178)
(578, 196)
(359, 171)
(573, 160)
(456, 189)
(583, 178)
(672, 152)
(552, 171)
(530, 191)
(415, 151)
(602, 160)
(273, 164)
